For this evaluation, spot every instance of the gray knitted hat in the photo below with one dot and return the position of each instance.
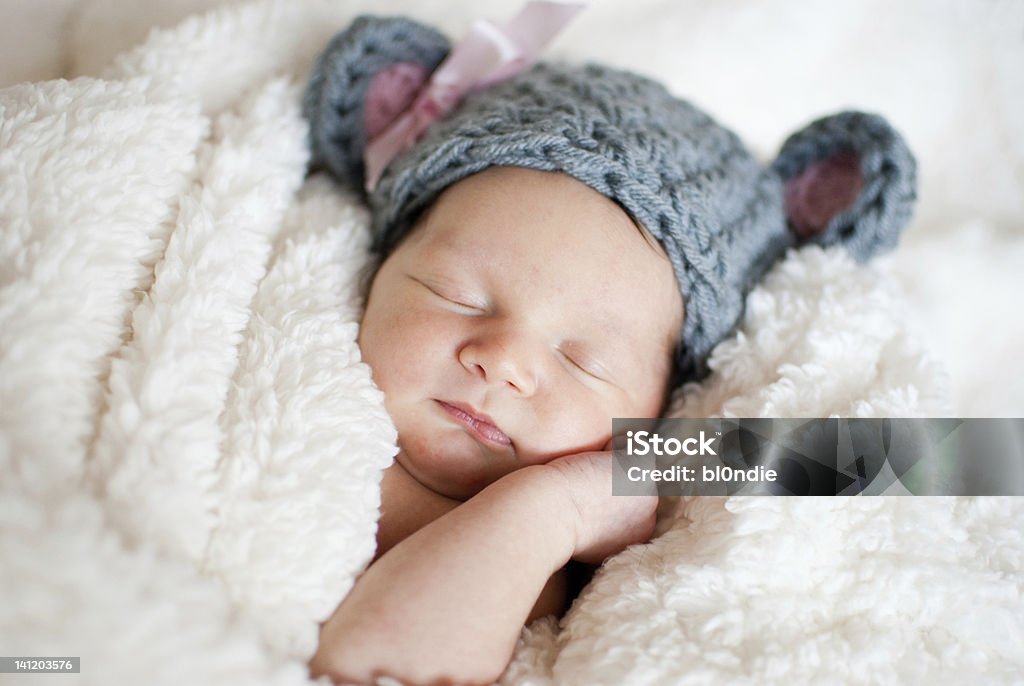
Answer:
(722, 217)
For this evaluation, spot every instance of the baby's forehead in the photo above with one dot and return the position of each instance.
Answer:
(519, 204)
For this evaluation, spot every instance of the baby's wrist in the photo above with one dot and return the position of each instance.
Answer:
(541, 493)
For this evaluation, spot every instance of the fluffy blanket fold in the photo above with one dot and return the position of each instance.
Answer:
(192, 449)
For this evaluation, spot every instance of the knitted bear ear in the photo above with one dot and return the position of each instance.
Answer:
(848, 178)
(368, 75)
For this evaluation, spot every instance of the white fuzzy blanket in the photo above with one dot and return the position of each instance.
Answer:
(191, 448)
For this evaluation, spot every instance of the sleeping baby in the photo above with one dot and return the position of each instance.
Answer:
(559, 247)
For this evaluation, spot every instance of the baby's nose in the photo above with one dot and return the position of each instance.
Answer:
(502, 356)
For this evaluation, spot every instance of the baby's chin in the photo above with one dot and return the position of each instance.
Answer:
(446, 459)
(454, 466)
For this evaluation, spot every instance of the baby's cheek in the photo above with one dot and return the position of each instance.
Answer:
(397, 363)
(650, 404)
(393, 373)
(581, 425)
(585, 423)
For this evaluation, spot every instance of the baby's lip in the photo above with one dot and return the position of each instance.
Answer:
(477, 423)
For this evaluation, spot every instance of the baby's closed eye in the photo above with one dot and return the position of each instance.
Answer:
(581, 359)
(452, 294)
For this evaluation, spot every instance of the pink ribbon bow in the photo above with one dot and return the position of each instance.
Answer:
(488, 54)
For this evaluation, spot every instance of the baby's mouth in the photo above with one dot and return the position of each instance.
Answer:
(478, 424)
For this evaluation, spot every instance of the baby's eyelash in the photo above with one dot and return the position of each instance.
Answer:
(584, 367)
(455, 300)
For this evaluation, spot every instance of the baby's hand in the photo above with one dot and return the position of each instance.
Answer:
(604, 523)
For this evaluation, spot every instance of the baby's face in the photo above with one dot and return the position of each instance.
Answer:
(521, 314)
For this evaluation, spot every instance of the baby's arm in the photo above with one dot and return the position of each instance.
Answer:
(448, 602)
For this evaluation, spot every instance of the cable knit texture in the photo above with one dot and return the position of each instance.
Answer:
(873, 222)
(338, 87)
(719, 214)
